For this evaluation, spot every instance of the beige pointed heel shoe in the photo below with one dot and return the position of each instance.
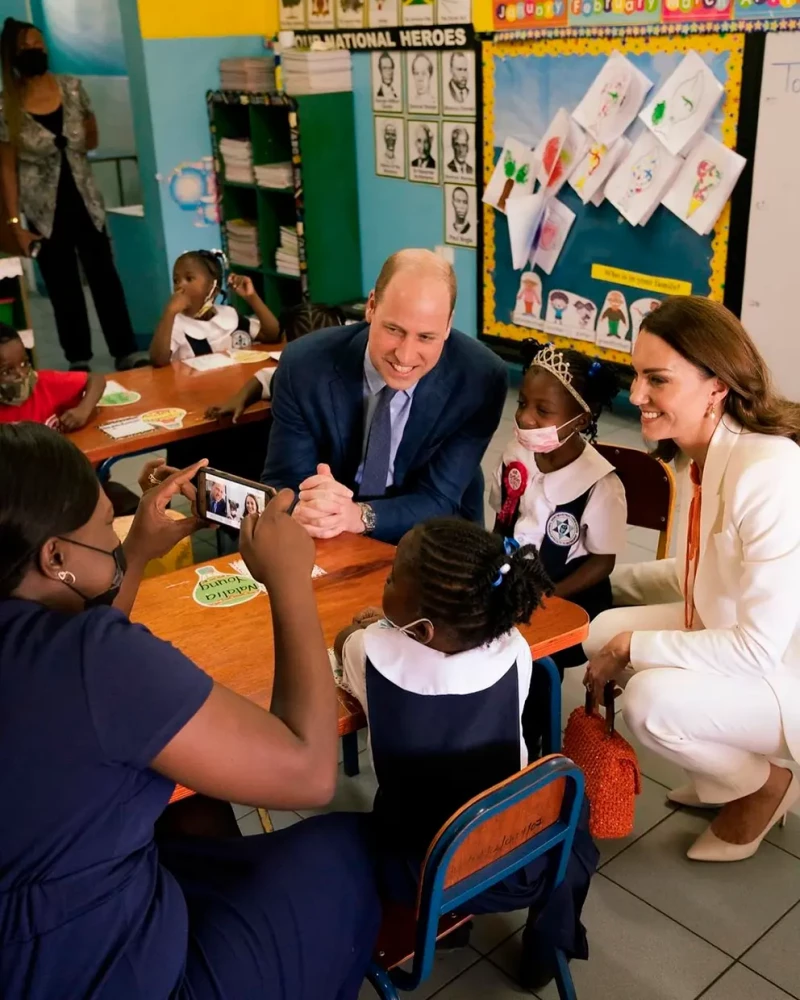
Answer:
(687, 796)
(708, 847)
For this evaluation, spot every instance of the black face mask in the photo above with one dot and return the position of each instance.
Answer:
(31, 62)
(107, 598)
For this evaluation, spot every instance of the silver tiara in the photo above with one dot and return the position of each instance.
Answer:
(553, 361)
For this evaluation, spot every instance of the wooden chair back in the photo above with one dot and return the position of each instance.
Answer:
(649, 489)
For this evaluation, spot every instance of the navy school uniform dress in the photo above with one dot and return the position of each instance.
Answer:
(443, 729)
(91, 908)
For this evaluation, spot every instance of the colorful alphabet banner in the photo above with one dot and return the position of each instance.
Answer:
(554, 14)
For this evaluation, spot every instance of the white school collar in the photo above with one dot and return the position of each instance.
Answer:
(567, 484)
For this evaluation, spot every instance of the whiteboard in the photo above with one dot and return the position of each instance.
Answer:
(772, 274)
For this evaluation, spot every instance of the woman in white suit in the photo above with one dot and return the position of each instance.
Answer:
(711, 640)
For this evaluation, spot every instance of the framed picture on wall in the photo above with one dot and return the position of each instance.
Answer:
(349, 13)
(460, 215)
(384, 13)
(321, 15)
(453, 11)
(458, 82)
(458, 152)
(387, 81)
(417, 12)
(423, 151)
(390, 147)
(292, 14)
(422, 82)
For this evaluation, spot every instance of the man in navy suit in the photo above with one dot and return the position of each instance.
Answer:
(383, 424)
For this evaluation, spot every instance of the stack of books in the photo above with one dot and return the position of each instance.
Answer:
(253, 73)
(274, 175)
(287, 256)
(307, 72)
(243, 242)
(237, 155)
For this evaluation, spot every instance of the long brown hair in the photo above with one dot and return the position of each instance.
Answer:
(715, 342)
(13, 31)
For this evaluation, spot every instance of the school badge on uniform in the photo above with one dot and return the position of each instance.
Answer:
(563, 528)
(241, 341)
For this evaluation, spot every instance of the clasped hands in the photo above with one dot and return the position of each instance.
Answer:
(326, 508)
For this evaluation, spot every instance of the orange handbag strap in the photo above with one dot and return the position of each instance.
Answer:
(608, 702)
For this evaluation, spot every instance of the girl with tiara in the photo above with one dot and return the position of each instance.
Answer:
(192, 324)
(553, 489)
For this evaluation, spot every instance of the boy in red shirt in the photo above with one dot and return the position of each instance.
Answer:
(64, 401)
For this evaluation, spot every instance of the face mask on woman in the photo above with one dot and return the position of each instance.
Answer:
(31, 62)
(17, 392)
(541, 440)
(107, 597)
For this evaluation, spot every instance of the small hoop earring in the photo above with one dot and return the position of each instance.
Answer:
(65, 576)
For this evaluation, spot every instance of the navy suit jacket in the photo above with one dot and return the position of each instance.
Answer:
(318, 416)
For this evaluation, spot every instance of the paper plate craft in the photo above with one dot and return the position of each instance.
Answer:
(552, 235)
(513, 175)
(613, 100)
(170, 418)
(614, 323)
(245, 357)
(637, 186)
(704, 184)
(528, 305)
(524, 221)
(117, 395)
(682, 107)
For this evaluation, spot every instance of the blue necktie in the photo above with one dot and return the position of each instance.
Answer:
(379, 445)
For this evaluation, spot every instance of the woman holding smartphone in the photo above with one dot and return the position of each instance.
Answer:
(47, 127)
(101, 719)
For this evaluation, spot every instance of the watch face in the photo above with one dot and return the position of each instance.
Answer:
(241, 341)
(367, 517)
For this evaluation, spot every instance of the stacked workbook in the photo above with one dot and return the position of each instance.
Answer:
(287, 256)
(316, 72)
(243, 242)
(237, 155)
(255, 74)
(274, 175)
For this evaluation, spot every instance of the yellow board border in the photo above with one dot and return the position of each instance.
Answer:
(731, 43)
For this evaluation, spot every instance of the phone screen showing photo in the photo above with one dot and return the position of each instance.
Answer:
(228, 501)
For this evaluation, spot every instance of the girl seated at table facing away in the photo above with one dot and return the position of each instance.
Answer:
(192, 324)
(552, 489)
(442, 677)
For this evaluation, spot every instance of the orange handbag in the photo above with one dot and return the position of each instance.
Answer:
(609, 764)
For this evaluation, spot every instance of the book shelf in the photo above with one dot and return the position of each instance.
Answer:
(317, 134)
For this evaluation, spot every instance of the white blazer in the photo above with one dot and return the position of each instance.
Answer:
(747, 589)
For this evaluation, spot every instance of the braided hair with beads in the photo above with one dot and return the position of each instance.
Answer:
(474, 583)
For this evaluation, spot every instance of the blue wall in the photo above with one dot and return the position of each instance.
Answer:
(395, 214)
(14, 8)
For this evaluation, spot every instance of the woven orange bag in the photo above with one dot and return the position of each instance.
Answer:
(609, 764)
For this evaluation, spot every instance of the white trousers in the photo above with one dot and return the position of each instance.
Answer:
(721, 730)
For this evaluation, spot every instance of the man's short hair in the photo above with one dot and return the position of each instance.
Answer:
(422, 261)
(459, 131)
(421, 55)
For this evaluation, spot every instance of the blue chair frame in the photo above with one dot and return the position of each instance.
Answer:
(436, 901)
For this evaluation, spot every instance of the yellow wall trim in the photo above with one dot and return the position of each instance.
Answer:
(207, 18)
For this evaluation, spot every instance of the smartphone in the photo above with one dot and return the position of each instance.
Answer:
(226, 499)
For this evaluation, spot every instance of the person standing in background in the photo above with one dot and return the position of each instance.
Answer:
(46, 129)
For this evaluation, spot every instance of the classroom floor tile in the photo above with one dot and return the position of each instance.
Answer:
(777, 956)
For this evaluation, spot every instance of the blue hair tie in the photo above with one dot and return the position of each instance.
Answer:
(594, 368)
(510, 545)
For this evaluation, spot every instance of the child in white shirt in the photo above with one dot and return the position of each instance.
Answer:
(193, 324)
(552, 489)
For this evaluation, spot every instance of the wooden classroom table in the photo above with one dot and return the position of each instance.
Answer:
(235, 645)
(174, 385)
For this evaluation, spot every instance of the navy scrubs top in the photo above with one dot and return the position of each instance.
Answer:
(86, 702)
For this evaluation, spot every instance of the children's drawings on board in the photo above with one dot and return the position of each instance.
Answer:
(570, 315)
(704, 184)
(613, 100)
(552, 235)
(528, 306)
(639, 309)
(682, 107)
(595, 168)
(524, 222)
(614, 323)
(558, 153)
(638, 184)
(513, 175)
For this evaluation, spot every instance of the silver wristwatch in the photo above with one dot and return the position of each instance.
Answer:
(368, 518)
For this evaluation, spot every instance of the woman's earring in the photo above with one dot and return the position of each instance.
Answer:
(710, 412)
(65, 576)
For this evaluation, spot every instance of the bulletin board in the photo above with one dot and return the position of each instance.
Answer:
(524, 85)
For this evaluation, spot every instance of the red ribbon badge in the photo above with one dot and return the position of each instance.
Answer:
(515, 481)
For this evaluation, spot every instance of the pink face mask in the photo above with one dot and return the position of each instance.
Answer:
(541, 440)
